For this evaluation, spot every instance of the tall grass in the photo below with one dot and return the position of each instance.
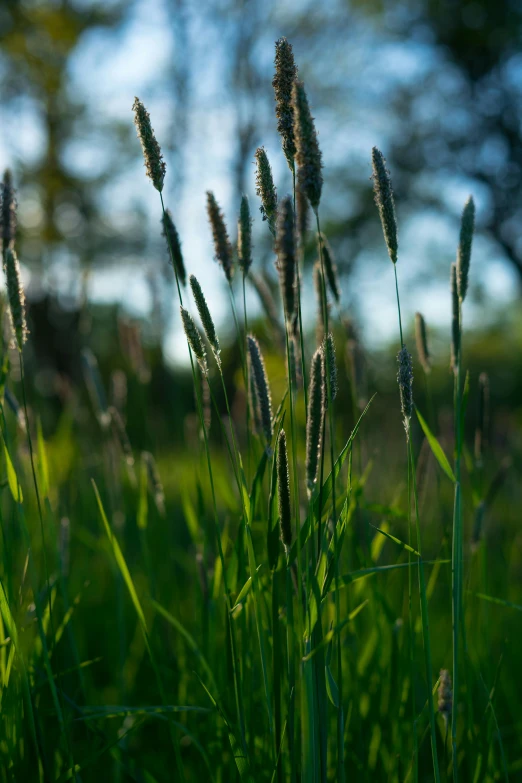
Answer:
(282, 608)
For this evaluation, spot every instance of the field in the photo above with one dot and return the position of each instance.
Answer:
(306, 568)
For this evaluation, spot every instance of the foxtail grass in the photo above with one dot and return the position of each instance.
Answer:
(385, 202)
(458, 289)
(266, 189)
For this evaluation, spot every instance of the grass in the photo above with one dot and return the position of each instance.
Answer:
(185, 642)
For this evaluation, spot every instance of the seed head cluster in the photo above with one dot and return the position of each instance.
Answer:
(421, 338)
(455, 319)
(222, 246)
(308, 154)
(302, 218)
(405, 381)
(318, 288)
(467, 227)
(264, 399)
(330, 268)
(265, 188)
(283, 491)
(16, 298)
(383, 193)
(244, 236)
(194, 339)
(174, 246)
(7, 212)
(285, 247)
(283, 82)
(330, 368)
(154, 163)
(204, 314)
(314, 420)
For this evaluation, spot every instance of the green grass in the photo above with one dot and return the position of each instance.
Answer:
(172, 637)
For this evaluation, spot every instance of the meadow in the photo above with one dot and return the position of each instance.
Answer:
(313, 581)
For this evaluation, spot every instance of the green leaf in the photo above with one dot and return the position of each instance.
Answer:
(143, 500)
(240, 758)
(396, 540)
(319, 499)
(272, 538)
(42, 460)
(12, 631)
(245, 589)
(327, 638)
(436, 448)
(464, 406)
(498, 601)
(257, 481)
(191, 519)
(347, 579)
(12, 479)
(331, 687)
(122, 565)
(90, 713)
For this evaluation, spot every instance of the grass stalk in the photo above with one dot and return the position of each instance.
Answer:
(237, 689)
(422, 582)
(340, 716)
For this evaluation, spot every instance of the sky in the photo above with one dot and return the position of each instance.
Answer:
(110, 67)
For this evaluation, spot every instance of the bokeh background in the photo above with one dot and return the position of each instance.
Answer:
(436, 85)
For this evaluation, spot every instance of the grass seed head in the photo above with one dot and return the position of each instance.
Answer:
(445, 694)
(194, 339)
(294, 353)
(308, 153)
(154, 163)
(94, 383)
(222, 246)
(285, 247)
(155, 483)
(121, 437)
(455, 319)
(383, 193)
(283, 81)
(16, 297)
(302, 209)
(494, 488)
(244, 236)
(257, 365)
(330, 268)
(255, 407)
(269, 305)
(206, 404)
(314, 421)
(265, 188)
(421, 338)
(482, 417)
(467, 227)
(356, 361)
(170, 233)
(283, 491)
(204, 314)
(405, 381)
(318, 288)
(330, 368)
(7, 211)
(64, 545)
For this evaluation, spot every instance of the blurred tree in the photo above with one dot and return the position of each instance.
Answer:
(37, 41)
(472, 128)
